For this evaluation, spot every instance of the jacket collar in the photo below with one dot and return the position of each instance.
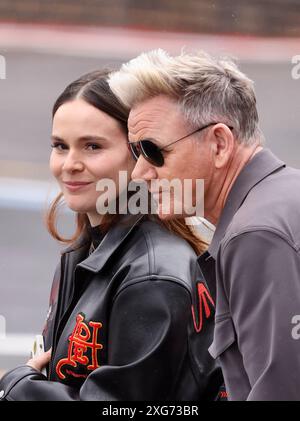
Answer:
(261, 165)
(81, 242)
(111, 241)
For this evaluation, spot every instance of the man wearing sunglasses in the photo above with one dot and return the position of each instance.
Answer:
(195, 117)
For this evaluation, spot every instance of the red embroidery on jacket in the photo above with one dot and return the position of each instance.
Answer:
(204, 298)
(78, 347)
(223, 394)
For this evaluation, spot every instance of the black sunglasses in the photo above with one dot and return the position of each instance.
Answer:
(152, 153)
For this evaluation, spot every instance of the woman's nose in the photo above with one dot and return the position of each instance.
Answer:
(73, 162)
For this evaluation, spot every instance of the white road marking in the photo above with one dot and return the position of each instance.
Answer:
(17, 344)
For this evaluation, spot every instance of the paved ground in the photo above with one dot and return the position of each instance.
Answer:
(28, 255)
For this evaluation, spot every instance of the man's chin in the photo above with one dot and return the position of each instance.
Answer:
(167, 216)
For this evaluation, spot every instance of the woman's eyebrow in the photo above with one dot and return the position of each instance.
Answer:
(92, 138)
(56, 138)
(87, 138)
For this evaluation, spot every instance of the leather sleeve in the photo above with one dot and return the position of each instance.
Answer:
(147, 345)
(24, 383)
(53, 302)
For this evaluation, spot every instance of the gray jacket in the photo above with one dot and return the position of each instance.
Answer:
(255, 259)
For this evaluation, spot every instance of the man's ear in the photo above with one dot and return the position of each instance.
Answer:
(223, 144)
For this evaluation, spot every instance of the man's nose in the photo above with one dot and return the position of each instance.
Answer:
(143, 170)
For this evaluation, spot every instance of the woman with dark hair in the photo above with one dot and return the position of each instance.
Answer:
(121, 323)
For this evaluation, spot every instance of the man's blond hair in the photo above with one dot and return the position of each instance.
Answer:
(207, 89)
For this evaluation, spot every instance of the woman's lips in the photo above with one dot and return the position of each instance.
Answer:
(76, 185)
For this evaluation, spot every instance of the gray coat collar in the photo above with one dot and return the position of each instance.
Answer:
(261, 165)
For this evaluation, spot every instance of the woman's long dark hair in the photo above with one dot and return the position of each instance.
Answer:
(94, 89)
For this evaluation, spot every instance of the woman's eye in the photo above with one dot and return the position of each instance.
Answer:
(59, 146)
(92, 146)
(62, 147)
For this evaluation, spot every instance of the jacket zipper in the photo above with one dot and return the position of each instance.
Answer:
(57, 316)
(61, 323)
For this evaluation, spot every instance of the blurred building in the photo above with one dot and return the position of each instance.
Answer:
(259, 17)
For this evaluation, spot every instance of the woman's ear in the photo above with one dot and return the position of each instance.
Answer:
(223, 144)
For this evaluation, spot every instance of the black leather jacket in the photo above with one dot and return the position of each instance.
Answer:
(120, 323)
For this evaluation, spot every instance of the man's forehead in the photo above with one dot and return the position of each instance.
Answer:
(151, 113)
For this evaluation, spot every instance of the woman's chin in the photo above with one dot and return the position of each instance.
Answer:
(77, 207)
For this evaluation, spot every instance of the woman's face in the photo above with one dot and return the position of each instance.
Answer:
(88, 145)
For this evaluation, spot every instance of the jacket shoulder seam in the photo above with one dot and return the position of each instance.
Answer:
(265, 228)
(150, 249)
(154, 278)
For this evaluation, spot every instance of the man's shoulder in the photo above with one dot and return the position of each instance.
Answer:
(272, 205)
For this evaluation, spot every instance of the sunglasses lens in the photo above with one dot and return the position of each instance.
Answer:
(152, 153)
(135, 149)
(149, 151)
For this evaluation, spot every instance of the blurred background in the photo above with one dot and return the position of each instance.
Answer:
(44, 45)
